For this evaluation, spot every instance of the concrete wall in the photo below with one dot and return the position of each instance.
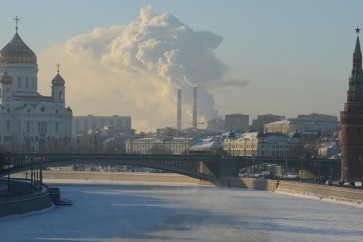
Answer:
(24, 204)
(250, 183)
(342, 194)
(322, 191)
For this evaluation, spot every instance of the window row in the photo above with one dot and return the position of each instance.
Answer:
(30, 127)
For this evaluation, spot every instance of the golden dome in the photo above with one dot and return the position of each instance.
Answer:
(16, 51)
(58, 80)
(5, 78)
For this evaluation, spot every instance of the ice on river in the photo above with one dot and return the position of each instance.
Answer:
(125, 212)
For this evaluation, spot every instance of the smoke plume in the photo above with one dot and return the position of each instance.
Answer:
(135, 69)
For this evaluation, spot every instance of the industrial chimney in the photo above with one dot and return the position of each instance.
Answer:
(178, 116)
(195, 107)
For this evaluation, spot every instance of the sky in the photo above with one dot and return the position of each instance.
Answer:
(129, 57)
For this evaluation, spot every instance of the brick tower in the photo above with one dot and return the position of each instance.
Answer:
(352, 121)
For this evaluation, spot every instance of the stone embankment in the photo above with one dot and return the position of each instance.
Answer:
(94, 177)
(37, 201)
(321, 192)
(18, 199)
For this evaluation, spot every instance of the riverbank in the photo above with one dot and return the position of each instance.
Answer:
(343, 195)
(94, 177)
(19, 197)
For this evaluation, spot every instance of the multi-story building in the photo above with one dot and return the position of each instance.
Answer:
(294, 125)
(317, 117)
(236, 121)
(258, 124)
(352, 121)
(30, 122)
(261, 144)
(121, 124)
(174, 146)
(216, 125)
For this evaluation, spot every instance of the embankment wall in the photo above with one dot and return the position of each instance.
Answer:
(342, 194)
(24, 204)
(48, 176)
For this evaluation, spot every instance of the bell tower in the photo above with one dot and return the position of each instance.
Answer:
(352, 121)
(58, 89)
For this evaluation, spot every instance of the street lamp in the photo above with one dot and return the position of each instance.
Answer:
(286, 167)
(8, 191)
(319, 171)
(302, 169)
(78, 142)
(361, 171)
(26, 167)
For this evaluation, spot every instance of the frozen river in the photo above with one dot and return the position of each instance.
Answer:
(184, 213)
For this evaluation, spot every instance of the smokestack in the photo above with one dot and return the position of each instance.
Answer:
(195, 108)
(178, 116)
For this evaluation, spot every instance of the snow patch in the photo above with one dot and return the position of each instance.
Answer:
(310, 195)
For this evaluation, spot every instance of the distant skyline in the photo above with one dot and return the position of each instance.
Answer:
(251, 57)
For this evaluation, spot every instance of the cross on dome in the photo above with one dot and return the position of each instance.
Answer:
(16, 19)
(58, 65)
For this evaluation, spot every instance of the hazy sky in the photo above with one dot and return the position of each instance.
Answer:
(251, 57)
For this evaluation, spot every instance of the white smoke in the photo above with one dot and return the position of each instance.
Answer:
(135, 70)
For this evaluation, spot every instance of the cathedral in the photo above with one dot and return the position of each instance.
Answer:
(30, 122)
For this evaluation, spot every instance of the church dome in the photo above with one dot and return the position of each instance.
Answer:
(5, 78)
(16, 51)
(58, 80)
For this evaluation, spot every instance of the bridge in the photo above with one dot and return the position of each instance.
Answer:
(203, 167)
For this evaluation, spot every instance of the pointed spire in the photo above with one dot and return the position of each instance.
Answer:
(356, 78)
(357, 43)
(357, 55)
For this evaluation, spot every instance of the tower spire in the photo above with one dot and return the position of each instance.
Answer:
(357, 43)
(357, 55)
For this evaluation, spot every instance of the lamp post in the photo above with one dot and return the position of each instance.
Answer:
(26, 167)
(8, 191)
(302, 169)
(361, 171)
(286, 168)
(118, 143)
(319, 170)
(78, 142)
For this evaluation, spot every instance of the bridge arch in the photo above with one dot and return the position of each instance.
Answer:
(195, 167)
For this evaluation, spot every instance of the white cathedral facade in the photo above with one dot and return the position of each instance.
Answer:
(30, 122)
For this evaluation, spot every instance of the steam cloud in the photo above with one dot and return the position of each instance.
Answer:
(135, 70)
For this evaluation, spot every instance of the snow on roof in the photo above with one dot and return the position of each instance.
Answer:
(249, 135)
(208, 143)
(287, 122)
(304, 122)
